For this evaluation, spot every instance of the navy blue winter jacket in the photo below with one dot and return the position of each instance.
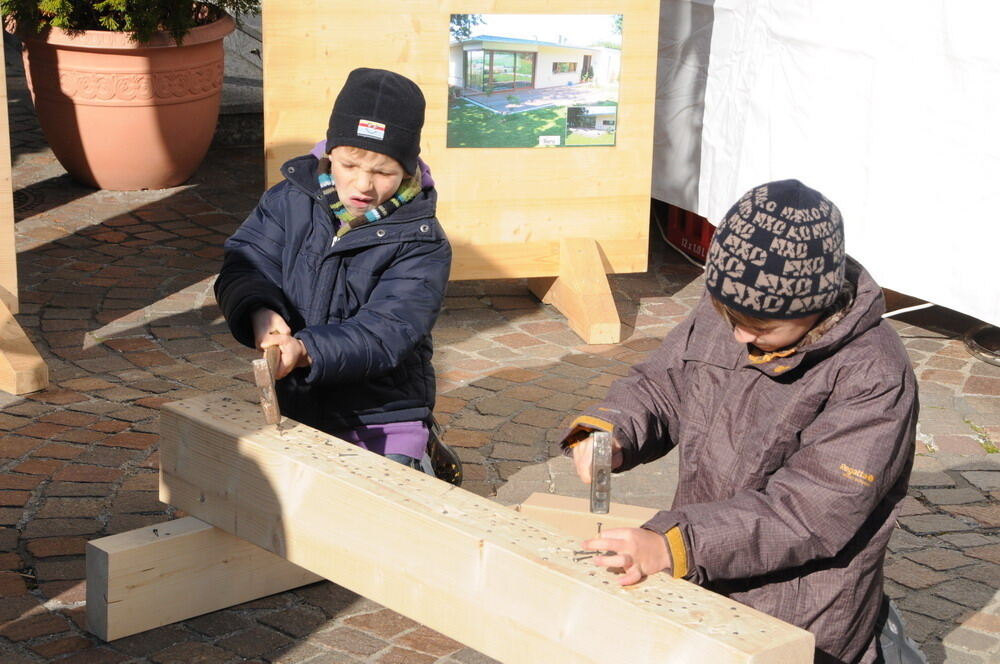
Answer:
(363, 306)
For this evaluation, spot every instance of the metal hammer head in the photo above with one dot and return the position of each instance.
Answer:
(600, 472)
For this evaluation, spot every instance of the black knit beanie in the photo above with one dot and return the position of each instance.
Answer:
(381, 111)
(778, 253)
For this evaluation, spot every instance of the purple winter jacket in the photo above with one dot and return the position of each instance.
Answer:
(791, 470)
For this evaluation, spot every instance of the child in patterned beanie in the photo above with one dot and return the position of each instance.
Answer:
(793, 408)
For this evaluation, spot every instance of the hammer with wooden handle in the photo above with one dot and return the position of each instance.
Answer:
(600, 472)
(263, 375)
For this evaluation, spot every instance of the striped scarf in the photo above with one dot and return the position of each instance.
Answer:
(408, 190)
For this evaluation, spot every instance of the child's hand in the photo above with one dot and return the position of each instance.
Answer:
(292, 356)
(639, 552)
(583, 454)
(266, 323)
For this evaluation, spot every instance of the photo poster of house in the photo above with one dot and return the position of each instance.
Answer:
(533, 80)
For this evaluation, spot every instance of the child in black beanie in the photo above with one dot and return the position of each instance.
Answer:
(343, 267)
(794, 408)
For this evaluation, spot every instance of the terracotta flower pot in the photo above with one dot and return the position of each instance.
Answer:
(121, 115)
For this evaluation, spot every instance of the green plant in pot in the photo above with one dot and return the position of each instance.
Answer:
(127, 92)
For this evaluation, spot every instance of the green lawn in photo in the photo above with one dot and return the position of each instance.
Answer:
(603, 139)
(471, 126)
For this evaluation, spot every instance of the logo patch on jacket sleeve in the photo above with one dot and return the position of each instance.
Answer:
(859, 476)
(371, 129)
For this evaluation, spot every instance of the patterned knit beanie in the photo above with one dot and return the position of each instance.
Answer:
(778, 253)
(381, 111)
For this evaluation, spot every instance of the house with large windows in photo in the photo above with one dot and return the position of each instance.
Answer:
(492, 78)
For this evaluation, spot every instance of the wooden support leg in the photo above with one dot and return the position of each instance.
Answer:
(496, 580)
(581, 292)
(22, 369)
(161, 574)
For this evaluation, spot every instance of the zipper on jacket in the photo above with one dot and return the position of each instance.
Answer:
(335, 238)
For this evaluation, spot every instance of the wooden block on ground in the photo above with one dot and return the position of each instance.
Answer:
(582, 292)
(478, 572)
(22, 369)
(573, 517)
(161, 574)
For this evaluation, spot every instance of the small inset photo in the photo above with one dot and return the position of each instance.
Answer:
(591, 125)
(538, 80)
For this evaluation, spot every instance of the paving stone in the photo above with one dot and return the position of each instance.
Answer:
(351, 641)
(137, 501)
(929, 605)
(61, 570)
(966, 593)
(62, 646)
(334, 599)
(405, 656)
(295, 621)
(940, 559)
(986, 573)
(98, 655)
(428, 641)
(985, 480)
(70, 507)
(192, 652)
(496, 405)
(61, 527)
(953, 496)
(912, 575)
(987, 515)
(254, 642)
(989, 553)
(86, 473)
(219, 623)
(383, 623)
(64, 593)
(933, 523)
(34, 626)
(152, 641)
(95, 489)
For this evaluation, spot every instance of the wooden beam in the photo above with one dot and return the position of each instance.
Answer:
(158, 575)
(22, 369)
(495, 580)
(581, 292)
(573, 517)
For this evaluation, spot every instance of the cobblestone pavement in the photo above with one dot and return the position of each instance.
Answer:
(116, 295)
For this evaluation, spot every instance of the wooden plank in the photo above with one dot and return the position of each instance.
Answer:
(487, 196)
(474, 570)
(572, 515)
(581, 292)
(8, 245)
(157, 575)
(22, 369)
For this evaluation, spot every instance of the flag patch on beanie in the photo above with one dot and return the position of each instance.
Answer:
(371, 129)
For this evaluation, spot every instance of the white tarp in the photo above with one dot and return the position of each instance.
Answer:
(890, 108)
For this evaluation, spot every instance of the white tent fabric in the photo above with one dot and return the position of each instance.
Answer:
(890, 108)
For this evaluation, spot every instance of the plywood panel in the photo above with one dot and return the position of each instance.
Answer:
(488, 196)
(474, 570)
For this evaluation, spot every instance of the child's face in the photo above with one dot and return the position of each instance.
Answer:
(772, 335)
(364, 179)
